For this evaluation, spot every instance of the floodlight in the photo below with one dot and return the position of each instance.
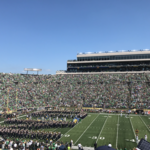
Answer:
(122, 50)
(32, 69)
(134, 50)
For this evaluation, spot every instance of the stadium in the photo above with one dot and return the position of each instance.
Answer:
(74, 75)
(85, 105)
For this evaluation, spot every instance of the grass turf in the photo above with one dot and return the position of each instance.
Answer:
(105, 129)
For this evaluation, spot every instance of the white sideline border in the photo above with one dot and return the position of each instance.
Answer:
(68, 131)
(86, 129)
(144, 123)
(114, 114)
(102, 129)
(132, 128)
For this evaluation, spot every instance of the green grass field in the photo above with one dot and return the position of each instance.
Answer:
(105, 129)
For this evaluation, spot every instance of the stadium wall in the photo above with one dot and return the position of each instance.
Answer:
(133, 72)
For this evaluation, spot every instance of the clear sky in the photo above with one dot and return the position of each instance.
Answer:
(46, 33)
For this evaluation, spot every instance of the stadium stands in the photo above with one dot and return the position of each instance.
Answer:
(102, 90)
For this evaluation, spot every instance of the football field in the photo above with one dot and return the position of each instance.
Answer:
(108, 128)
(103, 129)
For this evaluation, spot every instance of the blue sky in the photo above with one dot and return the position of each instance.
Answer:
(46, 33)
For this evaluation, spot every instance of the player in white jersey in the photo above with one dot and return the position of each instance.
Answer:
(145, 137)
(121, 114)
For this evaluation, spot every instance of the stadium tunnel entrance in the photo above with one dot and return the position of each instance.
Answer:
(139, 111)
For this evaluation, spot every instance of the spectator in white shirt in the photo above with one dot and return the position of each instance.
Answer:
(79, 146)
(15, 145)
(27, 145)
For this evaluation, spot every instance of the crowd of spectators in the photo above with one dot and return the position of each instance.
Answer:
(17, 144)
(103, 90)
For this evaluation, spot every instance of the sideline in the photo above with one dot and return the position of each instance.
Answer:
(132, 128)
(71, 129)
(102, 128)
(144, 123)
(113, 114)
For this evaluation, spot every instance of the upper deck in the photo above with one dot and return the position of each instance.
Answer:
(114, 53)
(143, 55)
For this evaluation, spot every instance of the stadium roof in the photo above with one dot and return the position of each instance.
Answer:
(119, 52)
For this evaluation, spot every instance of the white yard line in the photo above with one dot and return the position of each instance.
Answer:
(68, 131)
(117, 133)
(113, 114)
(21, 116)
(102, 129)
(17, 117)
(144, 123)
(1, 121)
(55, 129)
(132, 128)
(85, 130)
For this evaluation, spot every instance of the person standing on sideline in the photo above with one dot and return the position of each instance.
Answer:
(68, 147)
(71, 142)
(95, 145)
(145, 137)
(137, 139)
(121, 113)
(79, 146)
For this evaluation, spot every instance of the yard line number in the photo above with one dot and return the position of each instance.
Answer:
(95, 137)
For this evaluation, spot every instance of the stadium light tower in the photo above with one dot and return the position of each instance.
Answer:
(32, 69)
